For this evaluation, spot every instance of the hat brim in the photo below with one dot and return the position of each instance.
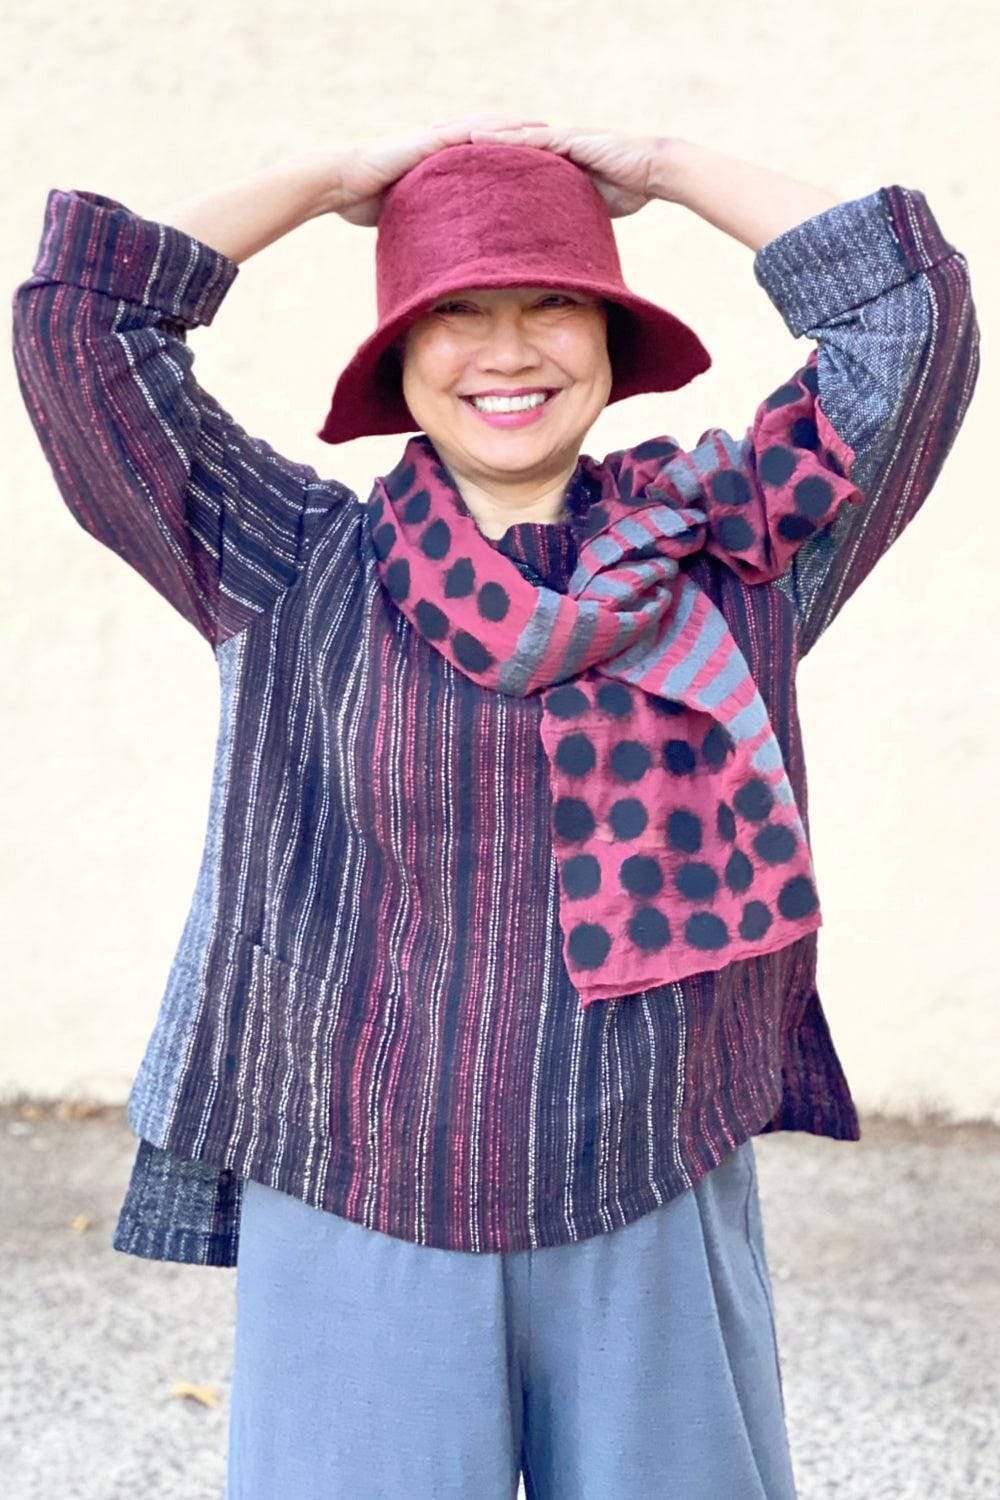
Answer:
(650, 350)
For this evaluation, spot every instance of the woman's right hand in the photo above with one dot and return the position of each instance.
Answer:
(361, 174)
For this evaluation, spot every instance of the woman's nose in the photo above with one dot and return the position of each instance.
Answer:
(508, 344)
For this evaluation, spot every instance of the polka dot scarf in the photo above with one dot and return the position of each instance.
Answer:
(679, 844)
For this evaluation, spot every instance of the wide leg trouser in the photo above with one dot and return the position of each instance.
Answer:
(641, 1364)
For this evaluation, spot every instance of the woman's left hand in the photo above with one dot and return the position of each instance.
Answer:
(619, 165)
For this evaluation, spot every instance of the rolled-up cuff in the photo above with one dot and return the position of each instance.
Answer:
(92, 241)
(848, 255)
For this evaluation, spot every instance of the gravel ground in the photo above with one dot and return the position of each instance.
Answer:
(883, 1256)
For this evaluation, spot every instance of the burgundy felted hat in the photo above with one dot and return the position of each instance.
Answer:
(492, 215)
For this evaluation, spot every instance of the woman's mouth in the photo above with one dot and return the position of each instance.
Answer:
(520, 416)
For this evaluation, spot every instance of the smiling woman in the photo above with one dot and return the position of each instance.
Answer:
(503, 940)
(466, 358)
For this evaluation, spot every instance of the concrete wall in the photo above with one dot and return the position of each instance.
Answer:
(110, 698)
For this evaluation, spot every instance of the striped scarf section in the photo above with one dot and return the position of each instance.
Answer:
(679, 842)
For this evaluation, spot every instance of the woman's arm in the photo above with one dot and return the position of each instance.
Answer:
(245, 215)
(888, 301)
(749, 202)
(145, 460)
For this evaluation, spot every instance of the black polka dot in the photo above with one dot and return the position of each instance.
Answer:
(832, 461)
(614, 698)
(777, 464)
(809, 377)
(433, 622)
(655, 448)
(573, 820)
(735, 533)
(436, 540)
(375, 511)
(697, 881)
(493, 601)
(813, 496)
(460, 579)
(803, 433)
(739, 871)
(725, 822)
(581, 876)
(629, 760)
(755, 921)
(679, 758)
(795, 528)
(576, 755)
(566, 701)
(400, 481)
(684, 831)
(717, 744)
(784, 396)
(397, 579)
(628, 818)
(669, 708)
(754, 800)
(589, 945)
(641, 875)
(730, 487)
(705, 930)
(775, 843)
(797, 898)
(382, 540)
(471, 654)
(417, 508)
(649, 929)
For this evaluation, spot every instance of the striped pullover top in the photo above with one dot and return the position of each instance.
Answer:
(368, 1006)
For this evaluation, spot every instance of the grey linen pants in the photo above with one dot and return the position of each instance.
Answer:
(641, 1364)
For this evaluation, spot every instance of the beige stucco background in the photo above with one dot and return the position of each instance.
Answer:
(110, 698)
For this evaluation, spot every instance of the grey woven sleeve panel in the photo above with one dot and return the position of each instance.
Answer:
(888, 300)
(181, 1210)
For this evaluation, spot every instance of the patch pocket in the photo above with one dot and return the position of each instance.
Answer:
(285, 1033)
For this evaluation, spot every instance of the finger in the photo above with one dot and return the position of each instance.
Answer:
(470, 123)
(544, 137)
(520, 131)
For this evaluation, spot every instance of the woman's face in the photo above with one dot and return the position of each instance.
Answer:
(507, 340)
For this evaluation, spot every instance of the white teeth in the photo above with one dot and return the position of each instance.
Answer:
(508, 403)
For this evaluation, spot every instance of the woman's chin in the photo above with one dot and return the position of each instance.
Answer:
(512, 450)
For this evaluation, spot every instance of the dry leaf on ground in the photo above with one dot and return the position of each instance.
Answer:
(205, 1395)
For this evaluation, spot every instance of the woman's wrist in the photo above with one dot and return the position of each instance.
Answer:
(751, 203)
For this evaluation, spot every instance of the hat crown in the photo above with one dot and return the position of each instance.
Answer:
(491, 214)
